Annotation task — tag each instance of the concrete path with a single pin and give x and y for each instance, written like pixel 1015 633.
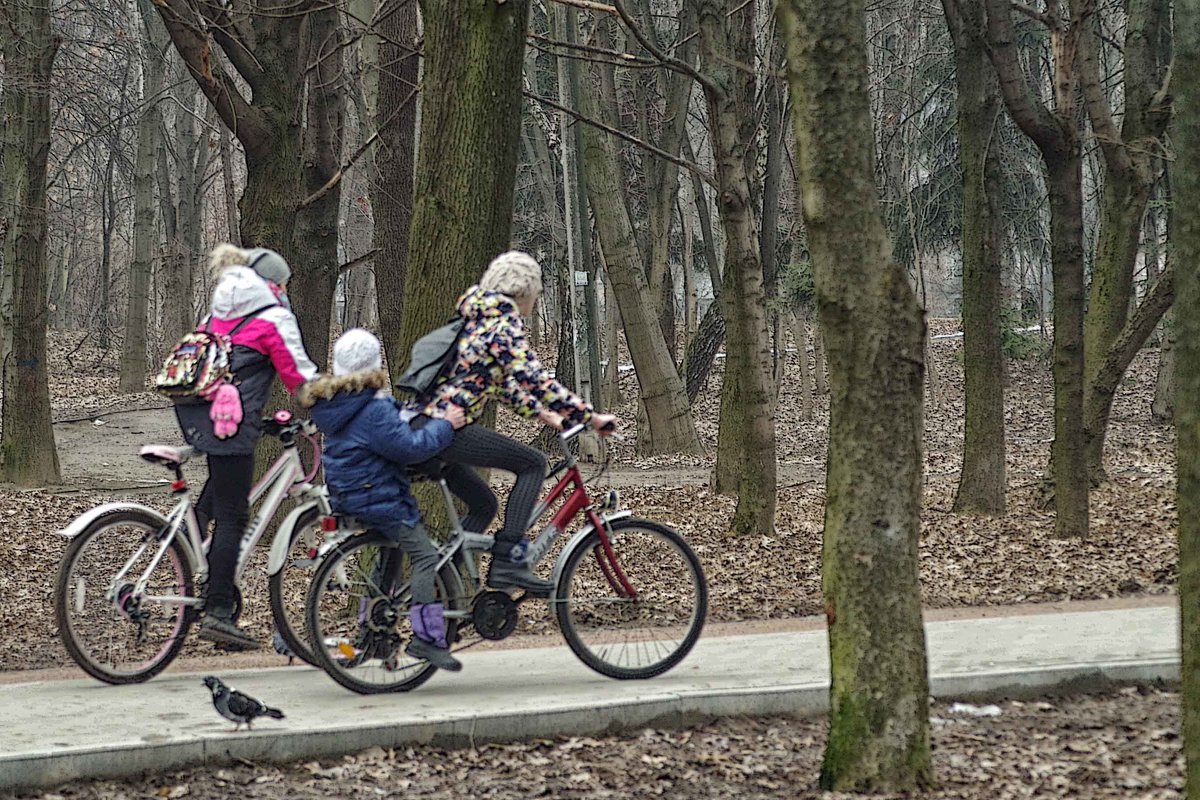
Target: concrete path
pixel 57 731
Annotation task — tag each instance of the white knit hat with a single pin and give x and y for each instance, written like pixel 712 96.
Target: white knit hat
pixel 356 350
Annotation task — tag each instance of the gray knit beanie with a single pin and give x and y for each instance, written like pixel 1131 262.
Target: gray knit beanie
pixel 269 265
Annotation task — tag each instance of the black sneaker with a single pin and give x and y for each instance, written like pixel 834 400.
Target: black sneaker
pixel 506 575
pixel 427 651
pixel 224 632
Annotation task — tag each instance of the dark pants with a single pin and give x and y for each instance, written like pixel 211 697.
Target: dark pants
pixel 476 446
pixel 225 499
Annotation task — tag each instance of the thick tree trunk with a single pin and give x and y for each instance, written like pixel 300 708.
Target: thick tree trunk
pixel 1185 238
pixel 982 482
pixel 466 164
pixel 395 116
pixel 315 246
pixel 133 352
pixel 662 391
pixel 1067 455
pixel 875 332
pixel 27 440
pixel 702 352
pixel 746 442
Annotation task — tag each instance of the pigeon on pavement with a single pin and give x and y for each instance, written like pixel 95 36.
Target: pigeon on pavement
pixel 281 647
pixel 237 707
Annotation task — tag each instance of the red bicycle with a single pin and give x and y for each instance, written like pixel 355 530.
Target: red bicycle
pixel 630 596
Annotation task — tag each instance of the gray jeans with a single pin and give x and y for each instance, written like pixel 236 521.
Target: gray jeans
pixel 422 555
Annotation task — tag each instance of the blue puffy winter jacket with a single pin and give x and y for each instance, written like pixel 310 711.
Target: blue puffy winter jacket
pixel 367 445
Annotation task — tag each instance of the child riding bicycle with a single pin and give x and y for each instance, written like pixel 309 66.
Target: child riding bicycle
pixel 368 442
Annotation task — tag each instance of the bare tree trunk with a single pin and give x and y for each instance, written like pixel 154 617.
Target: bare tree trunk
pixel 612 371
pixel 1056 135
pixel 27 440
pixel 1162 409
pixel 133 352
pixel 230 196
pixel 466 168
pixel 315 246
pixel 1185 239
pixel 746 445
pixel 800 332
pixel 981 485
pixel 1129 178
pixel 395 116
pixel 670 422
pixel 879 695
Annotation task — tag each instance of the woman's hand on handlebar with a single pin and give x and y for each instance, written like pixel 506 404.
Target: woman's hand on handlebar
pixel 552 418
pixel 455 416
pixel 604 424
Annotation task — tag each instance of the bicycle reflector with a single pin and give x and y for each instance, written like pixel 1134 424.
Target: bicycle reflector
pixel 329 524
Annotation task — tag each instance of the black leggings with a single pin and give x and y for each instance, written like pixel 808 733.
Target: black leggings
pixel 476 446
pixel 225 499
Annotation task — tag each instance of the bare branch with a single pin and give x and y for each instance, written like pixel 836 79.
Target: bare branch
pixel 337 176
pixel 1030 114
pixel 589 5
pixel 688 165
pixel 676 64
pixel 1032 13
pixel 354 262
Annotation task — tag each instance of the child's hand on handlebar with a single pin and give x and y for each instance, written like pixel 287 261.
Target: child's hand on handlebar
pixel 455 416
pixel 604 424
pixel 552 418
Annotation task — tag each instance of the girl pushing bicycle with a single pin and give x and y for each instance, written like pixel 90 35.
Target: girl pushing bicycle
pixel 368 442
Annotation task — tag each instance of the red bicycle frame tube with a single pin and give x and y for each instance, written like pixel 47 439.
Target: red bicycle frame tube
pixel 577 502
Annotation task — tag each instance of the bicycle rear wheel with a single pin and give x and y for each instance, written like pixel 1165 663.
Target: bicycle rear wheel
pixel 114 633
pixel 357 630
pixel 638 634
pixel 289 586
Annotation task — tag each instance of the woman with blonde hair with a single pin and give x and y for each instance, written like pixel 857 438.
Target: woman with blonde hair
pixel 495 360
pixel 249 305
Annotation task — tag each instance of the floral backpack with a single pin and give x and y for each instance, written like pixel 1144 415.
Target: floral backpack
pixel 198 367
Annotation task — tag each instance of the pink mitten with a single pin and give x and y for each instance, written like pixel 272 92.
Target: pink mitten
pixel 226 411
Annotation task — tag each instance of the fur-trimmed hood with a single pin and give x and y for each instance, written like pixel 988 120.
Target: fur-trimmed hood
pixel 325 386
pixel 334 401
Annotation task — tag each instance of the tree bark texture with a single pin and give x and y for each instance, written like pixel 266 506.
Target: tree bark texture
pixel 671 429
pixel 1162 408
pixel 1185 238
pixel 746 443
pixel 27 441
pixel 982 481
pixel 467 158
pixel 395 115
pixel 875 334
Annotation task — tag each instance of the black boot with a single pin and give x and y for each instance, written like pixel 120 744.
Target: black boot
pixel 506 574
pixel 437 656
pixel 218 626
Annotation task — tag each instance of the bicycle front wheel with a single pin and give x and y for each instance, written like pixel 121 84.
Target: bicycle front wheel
pixel 636 608
pixel 358 628
pixel 114 631
pixel 289 586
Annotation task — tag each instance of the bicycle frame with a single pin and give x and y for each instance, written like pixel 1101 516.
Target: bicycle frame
pixel 286 477
pixel 577 502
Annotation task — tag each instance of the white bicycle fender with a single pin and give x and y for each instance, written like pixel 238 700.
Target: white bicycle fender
pixel 80 523
pixel 279 547
pixel 577 541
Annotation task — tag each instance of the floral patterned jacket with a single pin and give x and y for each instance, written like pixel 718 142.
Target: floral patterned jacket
pixel 495 360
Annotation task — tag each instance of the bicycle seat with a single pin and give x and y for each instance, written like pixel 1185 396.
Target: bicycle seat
pixel 166 455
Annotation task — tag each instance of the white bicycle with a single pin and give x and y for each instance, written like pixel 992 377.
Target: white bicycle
pixel 126 592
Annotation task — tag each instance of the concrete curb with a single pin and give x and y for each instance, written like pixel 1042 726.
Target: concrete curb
pixel 670 709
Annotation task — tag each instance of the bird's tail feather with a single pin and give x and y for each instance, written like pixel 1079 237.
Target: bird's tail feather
pixel 273 713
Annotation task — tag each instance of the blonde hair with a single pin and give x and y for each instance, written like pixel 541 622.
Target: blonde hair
pixel 515 274
pixel 225 256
